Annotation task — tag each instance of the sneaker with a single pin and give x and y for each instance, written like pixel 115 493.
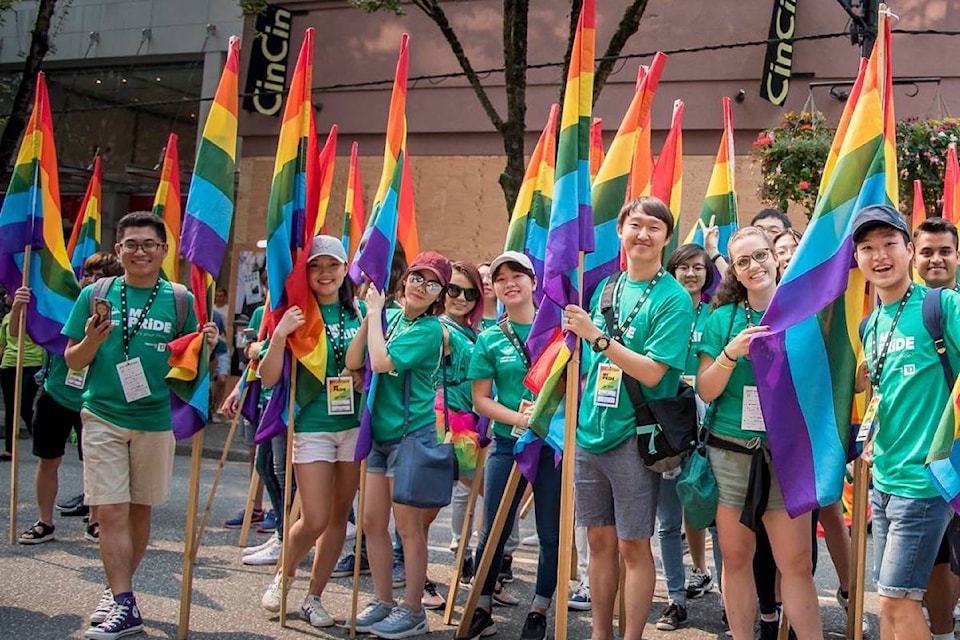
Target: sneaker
pixel 269 523
pixel 580 600
pixel 70 503
pixel 844 601
pixel 503 598
pixel 92 532
pixel 124 620
pixel 263 545
pixel 467 570
pixel 104 607
pixel 75 512
pixel 344 568
pixel 237 521
pixel 399 576
pixel 270 600
pixel 268 555
pixel 698 583
pixel 313 612
pixel 374 612
pixel 431 597
pixel 351 531
pixel 481 625
pixel 38 533
pixel 454 543
pixel 673 616
pixel 401 623
pixel 769 629
pixel 506 570
pixel 531 541
pixel 535 627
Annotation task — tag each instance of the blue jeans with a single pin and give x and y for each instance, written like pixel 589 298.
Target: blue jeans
pixel 546 492
pixel 906 537
pixel 271 464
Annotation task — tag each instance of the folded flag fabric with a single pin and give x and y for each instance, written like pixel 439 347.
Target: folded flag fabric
pixel 85 237
pixel 951 186
pixel 596 146
pixel 354 218
pixel 667 180
pixel 943 462
pixel 166 205
pixel 327 163
pixel 919 206
pixel 189 382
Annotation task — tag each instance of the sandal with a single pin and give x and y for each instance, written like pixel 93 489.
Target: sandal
pixel 39 532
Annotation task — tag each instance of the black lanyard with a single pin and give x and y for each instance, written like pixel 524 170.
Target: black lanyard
pixel 748 311
pixel 339 347
pixel 881 355
pixel 693 329
pixel 617 329
pixel 514 339
pixel 127 331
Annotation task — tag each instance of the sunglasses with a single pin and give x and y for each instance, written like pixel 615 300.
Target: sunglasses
pixel 759 256
pixel 432 287
pixel 470 294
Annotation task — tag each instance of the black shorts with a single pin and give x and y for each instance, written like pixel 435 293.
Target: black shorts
pixel 52 423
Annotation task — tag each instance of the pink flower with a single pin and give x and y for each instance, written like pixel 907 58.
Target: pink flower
pixel 804 185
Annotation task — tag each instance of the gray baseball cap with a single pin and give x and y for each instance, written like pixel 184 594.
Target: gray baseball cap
pixel 327 246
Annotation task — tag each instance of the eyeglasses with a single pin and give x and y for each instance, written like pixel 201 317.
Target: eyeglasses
pixel 470 294
pixel 759 256
pixel 698 269
pixel 432 287
pixel 148 246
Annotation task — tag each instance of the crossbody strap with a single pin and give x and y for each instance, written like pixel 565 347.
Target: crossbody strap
pixel 406 402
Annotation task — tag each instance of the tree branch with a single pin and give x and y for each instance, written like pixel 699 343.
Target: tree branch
pixel 628 26
pixel 515 20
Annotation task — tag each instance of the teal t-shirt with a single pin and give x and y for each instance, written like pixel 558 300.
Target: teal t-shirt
pixel 256 320
pixel 727 409
pixel 415 348
pixel 104 395
pixel 700 316
pixel 486 323
pixel 496 358
pixel 459 386
pixel 660 330
pixel 913 391
pixel 55 384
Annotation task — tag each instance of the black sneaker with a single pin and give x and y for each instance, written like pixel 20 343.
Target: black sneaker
pixel 70 503
pixel 75 512
pixel 769 629
pixel 535 627
pixel 467 571
pixel 506 570
pixel 673 616
pixel 481 626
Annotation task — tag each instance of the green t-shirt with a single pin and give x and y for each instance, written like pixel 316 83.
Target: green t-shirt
pixel 913 391
pixel 104 394
pixel 486 323
pixel 700 316
pixel 55 384
pixel 313 416
pixel 459 386
pixel 32 353
pixel 256 320
pixel 414 347
pixel 727 409
pixel 659 331
pixel 496 358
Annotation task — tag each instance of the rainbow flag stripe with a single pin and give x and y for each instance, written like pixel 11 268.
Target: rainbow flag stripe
pixel 720 203
pixel 951 186
pixel 805 366
pixel 327 162
pixel 354 218
pixel 189 382
pixel 166 205
pixel 597 152
pixel 31 216
pixel 919 207
pixel 667 180
pixel 85 237
pixel 943 462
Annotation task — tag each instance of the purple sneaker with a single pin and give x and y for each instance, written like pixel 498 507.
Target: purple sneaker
pixel 124 620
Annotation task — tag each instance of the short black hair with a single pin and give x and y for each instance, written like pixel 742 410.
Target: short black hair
pixel 649 206
pixel 685 252
pixel 142 219
pixel 937 225
pixel 772 213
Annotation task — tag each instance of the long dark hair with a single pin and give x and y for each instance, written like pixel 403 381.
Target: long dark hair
pixel 731 290
pixel 347 296
pixel 685 252
pixel 472 274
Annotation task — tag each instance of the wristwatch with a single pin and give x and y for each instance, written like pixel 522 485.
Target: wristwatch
pixel 601 343
pixel 716 257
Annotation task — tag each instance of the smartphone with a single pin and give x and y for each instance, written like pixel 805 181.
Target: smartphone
pixel 102 309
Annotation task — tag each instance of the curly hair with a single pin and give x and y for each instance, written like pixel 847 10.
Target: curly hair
pixel 731 290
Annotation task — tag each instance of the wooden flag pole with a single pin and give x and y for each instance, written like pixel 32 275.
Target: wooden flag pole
pixel 248 507
pixel 189 541
pixel 493 541
pixel 217 476
pixel 466 532
pixel 287 494
pixel 357 549
pixel 621 600
pixel 858 549
pixel 17 402
pixel 526 507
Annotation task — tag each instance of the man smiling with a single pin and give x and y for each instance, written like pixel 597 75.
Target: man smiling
pixel 935 241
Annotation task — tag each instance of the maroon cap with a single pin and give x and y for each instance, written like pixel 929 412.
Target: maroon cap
pixel 433 262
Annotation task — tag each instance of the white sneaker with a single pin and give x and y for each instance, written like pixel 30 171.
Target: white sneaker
pixel 248 550
pixel 351 532
pixel 270 554
pixel 270 600
pixel 313 612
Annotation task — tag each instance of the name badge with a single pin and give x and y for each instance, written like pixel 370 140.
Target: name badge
pixel 517 432
pixel 133 380
pixel 752 416
pixel 607 393
pixel 869 419
pixel 340 396
pixel 690 380
pixel 76 379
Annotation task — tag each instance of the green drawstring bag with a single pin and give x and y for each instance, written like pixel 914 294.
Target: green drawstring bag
pixel 697 490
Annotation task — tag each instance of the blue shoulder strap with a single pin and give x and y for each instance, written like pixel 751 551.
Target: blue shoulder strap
pixel 933 322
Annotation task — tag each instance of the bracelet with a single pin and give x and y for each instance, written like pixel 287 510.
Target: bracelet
pixel 723 366
pixel 727 356
pixel 716 257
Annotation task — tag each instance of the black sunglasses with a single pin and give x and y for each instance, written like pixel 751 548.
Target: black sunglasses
pixel 470 294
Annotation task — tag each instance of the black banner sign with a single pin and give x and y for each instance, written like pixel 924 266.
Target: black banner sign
pixel 778 63
pixel 267 71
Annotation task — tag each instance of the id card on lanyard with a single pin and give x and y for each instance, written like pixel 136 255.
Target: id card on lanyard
pixel 133 379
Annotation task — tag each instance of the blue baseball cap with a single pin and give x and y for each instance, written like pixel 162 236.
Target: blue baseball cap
pixel 877 215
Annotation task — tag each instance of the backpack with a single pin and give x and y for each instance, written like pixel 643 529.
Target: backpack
pixel 181 300
pixel 932 316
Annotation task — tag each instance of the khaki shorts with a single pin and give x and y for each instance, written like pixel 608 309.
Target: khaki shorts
pixel 125 465
pixel 732 471
pixel 323 446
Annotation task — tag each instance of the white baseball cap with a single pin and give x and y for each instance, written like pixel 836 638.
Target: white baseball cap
pixel 327 246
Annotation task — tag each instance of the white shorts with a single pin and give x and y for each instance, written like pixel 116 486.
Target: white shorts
pixel 321 446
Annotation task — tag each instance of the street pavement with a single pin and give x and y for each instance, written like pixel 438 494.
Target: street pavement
pixel 47 591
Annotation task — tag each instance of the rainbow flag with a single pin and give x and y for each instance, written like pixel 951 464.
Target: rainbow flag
pixel 667 180
pixel 571 234
pixel 617 176
pixel 597 152
pixel 31 216
pixel 951 186
pixel 720 203
pixel 527 232
pixel 206 231
pixel 407 222
pixel 327 162
pixel 919 207
pixel 641 170
pixel 805 366
pixel 354 218
pixel 166 205
pixel 85 237
pixel 943 462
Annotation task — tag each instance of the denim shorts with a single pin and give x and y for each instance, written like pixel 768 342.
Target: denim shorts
pixel 383 456
pixel 906 536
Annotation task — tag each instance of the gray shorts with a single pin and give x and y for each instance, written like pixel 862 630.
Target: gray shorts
pixel 383 457
pixel 616 489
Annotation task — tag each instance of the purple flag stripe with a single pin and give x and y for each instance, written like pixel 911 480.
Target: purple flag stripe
pixel 201 245
pixel 273 422
pixel 186 420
